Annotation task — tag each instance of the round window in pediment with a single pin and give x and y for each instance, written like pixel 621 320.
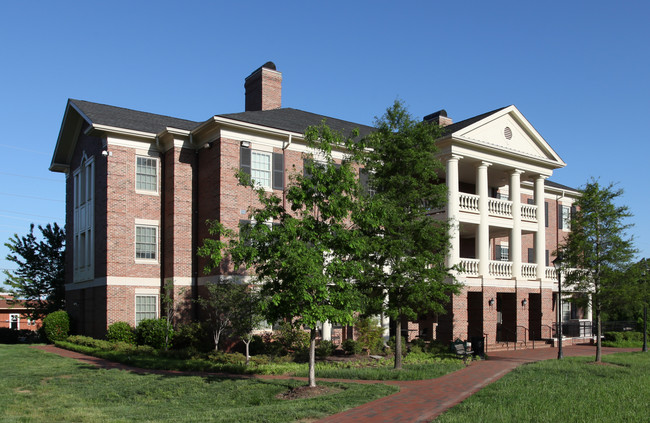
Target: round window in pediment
pixel 507 133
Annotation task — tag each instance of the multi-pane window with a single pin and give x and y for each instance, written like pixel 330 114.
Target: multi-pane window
pixel 261 168
pixel 83 220
pixel 566 217
pixel 146 174
pixel 504 253
pixel 146 307
pixel 146 242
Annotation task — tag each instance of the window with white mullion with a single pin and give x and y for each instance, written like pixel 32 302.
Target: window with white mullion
pixel 83 220
pixel 146 242
pixel 261 168
pixel 146 307
pixel 146 174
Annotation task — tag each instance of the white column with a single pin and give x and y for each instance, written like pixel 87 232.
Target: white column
pixel 515 234
pixel 453 201
pixel 483 239
pixel 327 330
pixel 540 237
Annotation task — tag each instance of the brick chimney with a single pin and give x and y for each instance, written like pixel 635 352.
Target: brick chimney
pixel 264 88
pixel 439 118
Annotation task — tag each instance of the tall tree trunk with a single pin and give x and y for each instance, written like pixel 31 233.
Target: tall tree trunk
pixel 398 344
pixel 312 358
pixel 248 344
pixel 599 330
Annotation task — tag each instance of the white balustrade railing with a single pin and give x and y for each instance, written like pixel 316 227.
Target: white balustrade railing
pixel 529 212
pixel 550 273
pixel 529 270
pixel 500 269
pixel 468 202
pixel 468 266
pixel 500 207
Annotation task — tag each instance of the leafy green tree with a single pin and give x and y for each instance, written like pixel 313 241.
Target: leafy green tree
pixel 249 317
pixel 404 247
pixel 39 279
pixel 301 261
pixel 223 306
pixel 598 248
pixel 630 297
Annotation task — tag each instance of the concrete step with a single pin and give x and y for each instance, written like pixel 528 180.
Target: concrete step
pixel 520 346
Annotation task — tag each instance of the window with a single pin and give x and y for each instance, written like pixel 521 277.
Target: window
pixel 83 188
pixel 14 321
pixel 146 307
pixel 146 242
pixel 501 253
pixel 564 217
pixel 261 168
pixel 146 174
pixel 504 253
pixel 265 168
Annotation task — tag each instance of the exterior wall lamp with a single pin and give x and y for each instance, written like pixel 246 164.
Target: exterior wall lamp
pixel 491 302
pixel 524 302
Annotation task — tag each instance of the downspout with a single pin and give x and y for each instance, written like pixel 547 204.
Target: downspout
pixel 162 224
pixel 284 173
pixel 195 231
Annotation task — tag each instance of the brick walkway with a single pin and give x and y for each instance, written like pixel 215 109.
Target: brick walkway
pixel 417 401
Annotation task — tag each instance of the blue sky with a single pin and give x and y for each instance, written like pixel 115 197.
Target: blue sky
pixel 579 71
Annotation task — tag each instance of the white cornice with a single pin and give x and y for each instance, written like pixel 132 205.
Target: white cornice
pixel 121 131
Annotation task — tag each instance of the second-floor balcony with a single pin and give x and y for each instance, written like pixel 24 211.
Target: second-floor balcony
pixel 469 203
pixel 504 270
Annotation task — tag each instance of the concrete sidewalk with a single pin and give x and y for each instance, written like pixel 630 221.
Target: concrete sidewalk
pixel 417 401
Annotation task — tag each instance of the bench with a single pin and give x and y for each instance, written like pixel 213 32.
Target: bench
pixel 460 350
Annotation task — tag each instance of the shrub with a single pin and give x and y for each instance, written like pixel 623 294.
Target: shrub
pixel 152 332
pixel 13 336
pixel 371 335
pixel 292 338
pixel 350 346
pixel 193 336
pixel 227 358
pixel 56 326
pixel 623 336
pixel 324 348
pixel 121 332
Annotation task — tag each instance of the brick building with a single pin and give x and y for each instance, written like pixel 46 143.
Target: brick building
pixel 14 312
pixel 141 186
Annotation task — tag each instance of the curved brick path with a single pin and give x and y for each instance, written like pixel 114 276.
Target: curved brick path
pixel 418 400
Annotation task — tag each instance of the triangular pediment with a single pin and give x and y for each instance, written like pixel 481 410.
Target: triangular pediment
pixel 507 129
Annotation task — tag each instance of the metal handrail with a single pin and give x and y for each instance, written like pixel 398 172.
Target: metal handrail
pixel 550 331
pixel 525 337
pixel 508 339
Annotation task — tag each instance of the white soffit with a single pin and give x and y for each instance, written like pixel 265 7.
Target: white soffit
pixel 508 129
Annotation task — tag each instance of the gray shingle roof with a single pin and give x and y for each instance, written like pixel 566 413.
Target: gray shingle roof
pixel 559 186
pixel 295 120
pixel 467 122
pixel 119 117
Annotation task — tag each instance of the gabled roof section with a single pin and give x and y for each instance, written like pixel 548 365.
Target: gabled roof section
pixel 105 117
pixel 294 120
pixel 118 117
pixel 505 130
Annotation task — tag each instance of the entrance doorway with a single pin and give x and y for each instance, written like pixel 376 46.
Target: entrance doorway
pixel 535 316
pixel 506 317
pixel 474 314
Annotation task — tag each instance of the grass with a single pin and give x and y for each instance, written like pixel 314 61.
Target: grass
pixel 571 390
pixel 416 366
pixel 38 386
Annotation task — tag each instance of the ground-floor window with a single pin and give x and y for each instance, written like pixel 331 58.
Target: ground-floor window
pixel 146 307
pixel 14 321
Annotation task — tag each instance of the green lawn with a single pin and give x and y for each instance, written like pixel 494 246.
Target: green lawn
pixel 571 390
pixel 38 387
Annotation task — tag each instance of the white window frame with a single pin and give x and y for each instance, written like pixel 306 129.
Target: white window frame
pixel 84 220
pixel 135 304
pixel 505 252
pixel 135 243
pixel 17 317
pixel 566 218
pixel 157 169
pixel 267 186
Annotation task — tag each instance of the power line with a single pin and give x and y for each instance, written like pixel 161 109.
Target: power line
pixel 25 149
pixel 32 197
pixel 30 177
pixel 27 214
